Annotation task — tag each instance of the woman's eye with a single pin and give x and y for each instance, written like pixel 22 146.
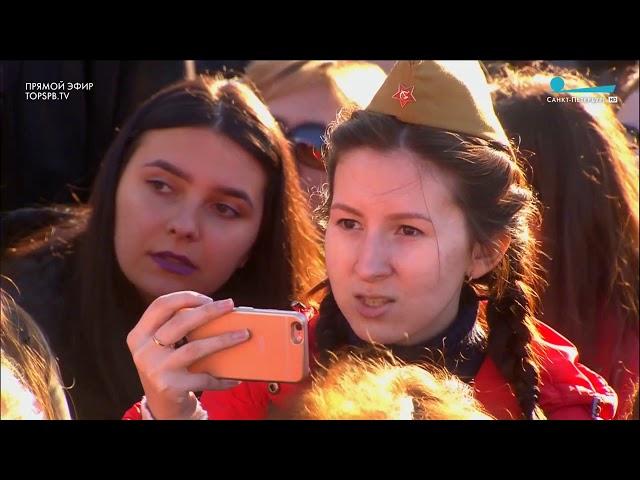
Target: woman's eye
pixel 159 186
pixel 226 211
pixel 347 224
pixel 409 231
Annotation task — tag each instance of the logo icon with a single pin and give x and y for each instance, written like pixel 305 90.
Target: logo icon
pixel 557 85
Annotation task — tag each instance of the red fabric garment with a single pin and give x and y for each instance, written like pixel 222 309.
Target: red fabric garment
pixel 569 390
pixel 618 365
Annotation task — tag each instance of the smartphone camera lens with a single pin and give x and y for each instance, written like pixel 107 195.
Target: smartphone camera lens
pixel 297 334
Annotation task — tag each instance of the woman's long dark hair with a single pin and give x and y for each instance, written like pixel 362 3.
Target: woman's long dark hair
pixel 492 192
pixel 586 176
pixel 103 305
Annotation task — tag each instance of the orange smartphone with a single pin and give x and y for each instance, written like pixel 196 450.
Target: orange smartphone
pixel 277 351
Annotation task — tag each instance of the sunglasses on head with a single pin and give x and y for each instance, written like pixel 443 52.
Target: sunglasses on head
pixel 307 140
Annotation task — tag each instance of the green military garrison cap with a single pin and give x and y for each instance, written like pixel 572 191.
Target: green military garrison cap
pixel 450 95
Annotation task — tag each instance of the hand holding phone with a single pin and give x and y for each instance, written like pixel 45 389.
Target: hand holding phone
pixel 277 350
pixel 162 359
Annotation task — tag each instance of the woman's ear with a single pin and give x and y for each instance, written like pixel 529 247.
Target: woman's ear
pixel 485 257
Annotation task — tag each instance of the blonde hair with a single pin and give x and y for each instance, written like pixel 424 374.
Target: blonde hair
pixel 352 82
pixel 17 402
pixel 355 388
pixel 28 366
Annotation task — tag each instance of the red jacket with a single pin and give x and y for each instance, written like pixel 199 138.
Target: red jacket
pixel 620 366
pixel 569 390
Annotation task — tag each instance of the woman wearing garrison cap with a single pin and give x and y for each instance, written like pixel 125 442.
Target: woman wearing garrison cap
pixel 429 253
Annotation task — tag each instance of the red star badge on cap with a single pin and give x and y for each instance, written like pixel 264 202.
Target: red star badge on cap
pixel 404 95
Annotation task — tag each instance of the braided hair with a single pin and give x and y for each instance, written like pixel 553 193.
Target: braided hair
pixel 492 191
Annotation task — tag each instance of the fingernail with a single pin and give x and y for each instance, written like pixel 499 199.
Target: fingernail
pixel 240 335
pixel 205 299
pixel 230 383
pixel 228 303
